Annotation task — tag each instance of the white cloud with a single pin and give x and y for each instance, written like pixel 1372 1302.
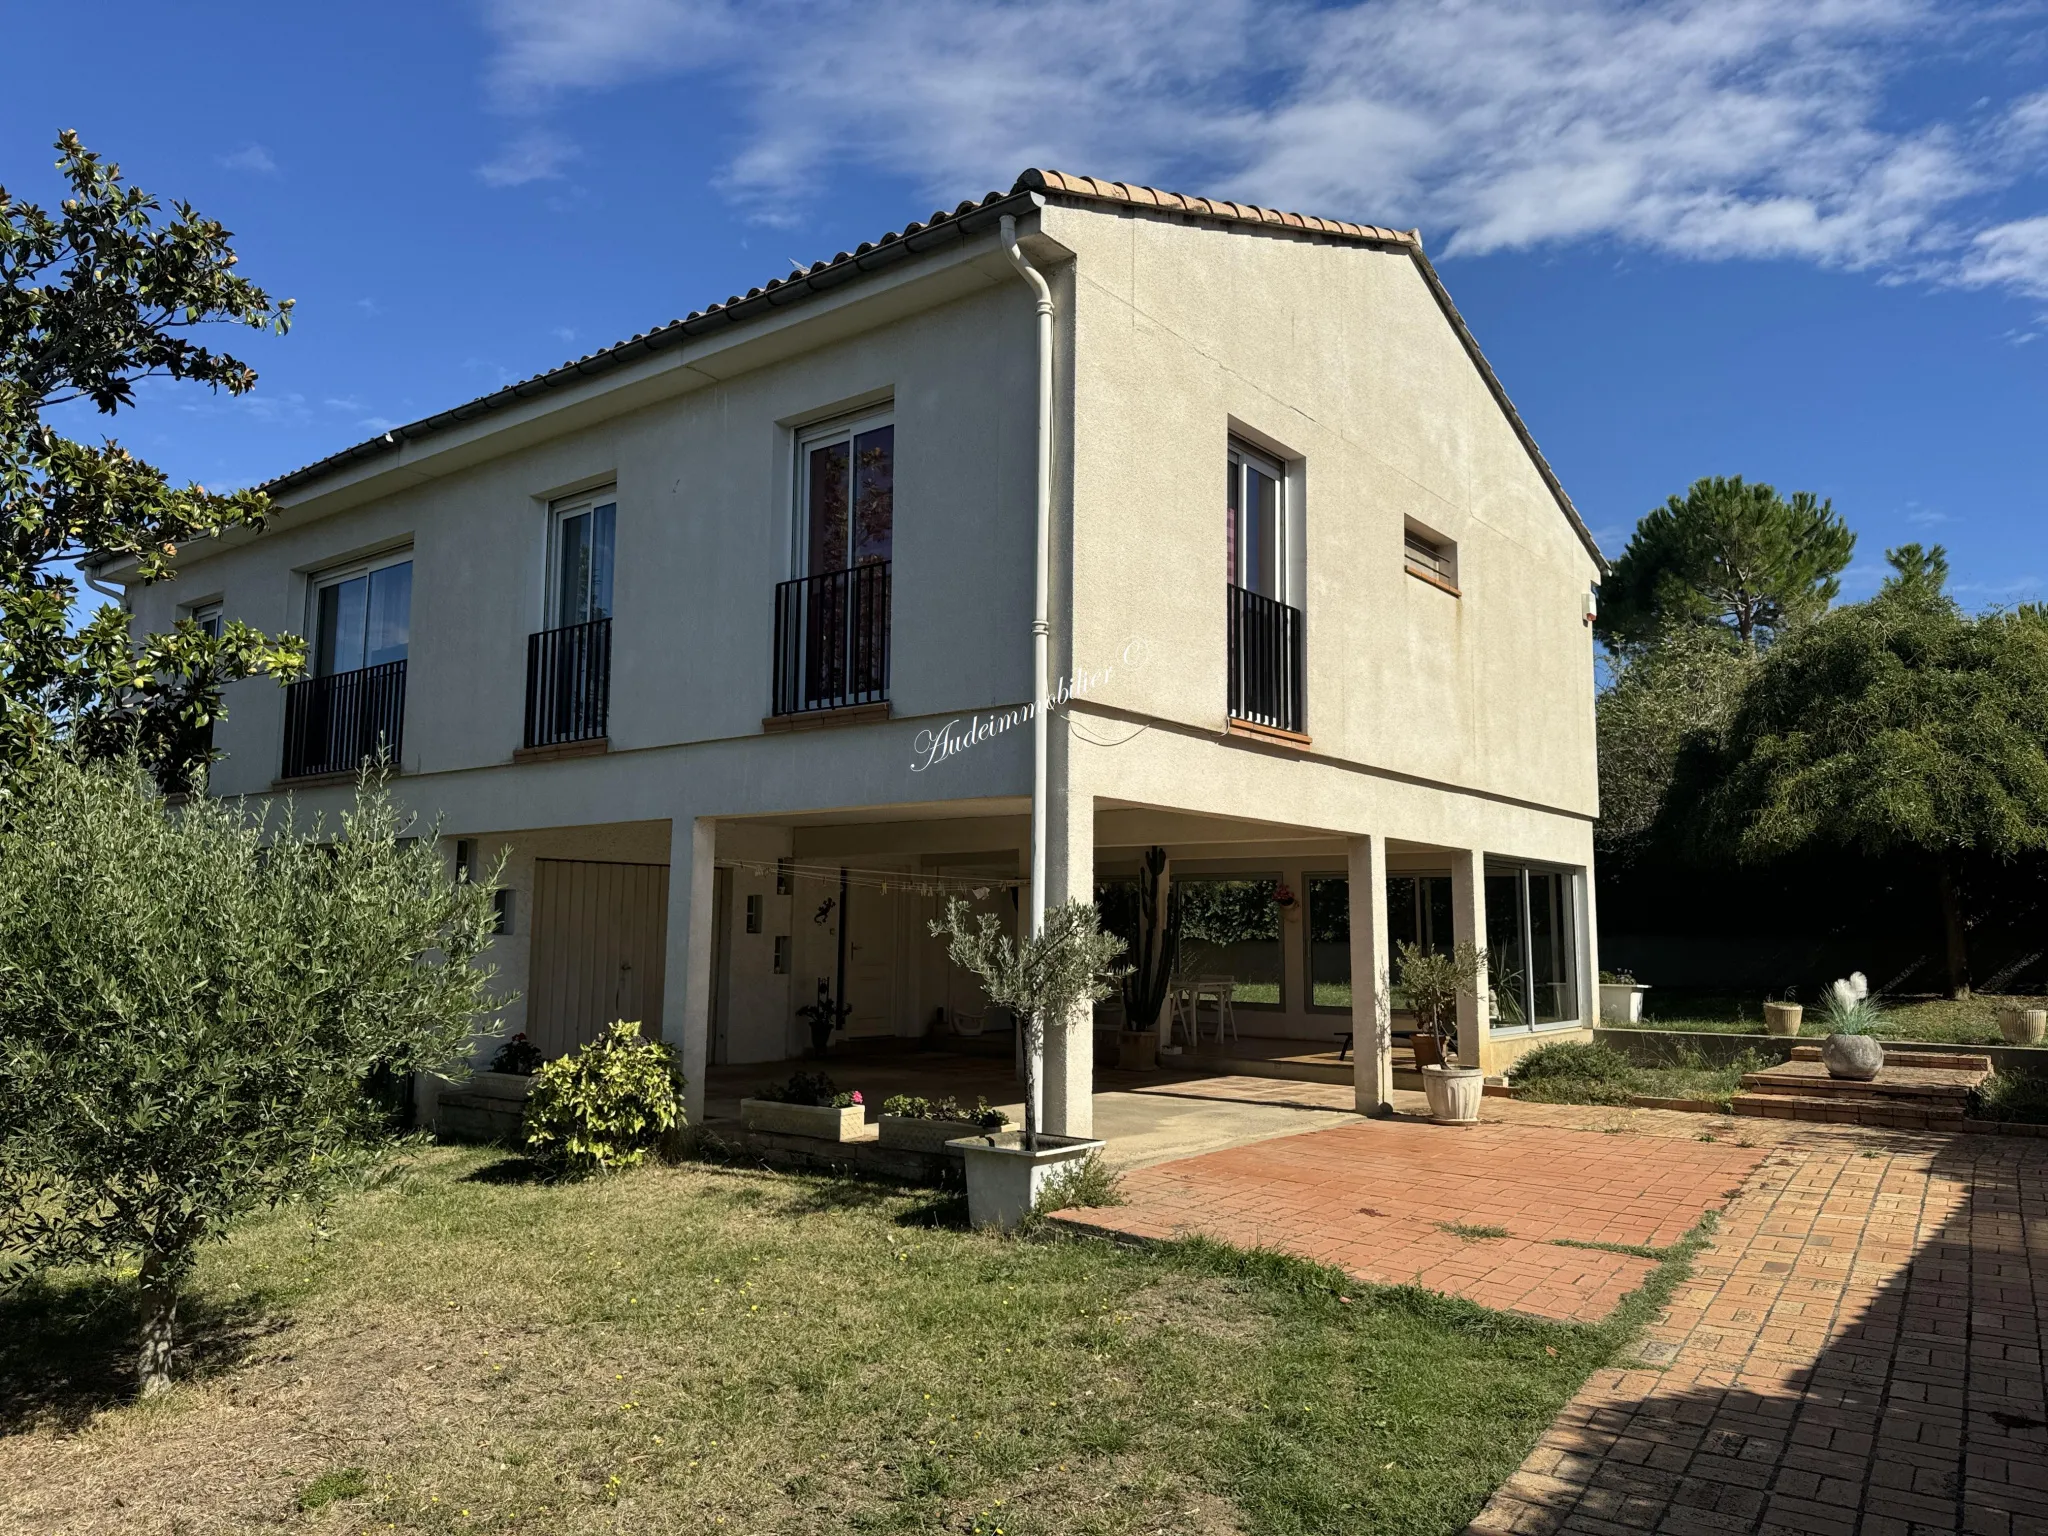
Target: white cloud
pixel 1699 128
pixel 2013 255
pixel 536 155
pixel 255 159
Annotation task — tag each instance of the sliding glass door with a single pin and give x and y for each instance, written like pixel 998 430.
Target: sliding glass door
pixel 1532 945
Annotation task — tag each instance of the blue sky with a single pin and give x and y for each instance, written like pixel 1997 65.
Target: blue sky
pixel 1805 243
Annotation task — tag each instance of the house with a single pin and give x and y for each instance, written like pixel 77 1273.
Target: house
pixel 725 634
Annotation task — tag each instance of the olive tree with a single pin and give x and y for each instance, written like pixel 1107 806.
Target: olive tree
pixel 195 1006
pixel 1062 968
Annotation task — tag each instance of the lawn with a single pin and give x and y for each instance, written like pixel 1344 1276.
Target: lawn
pixel 702 1348
pixel 1964 1021
pixel 1598 1074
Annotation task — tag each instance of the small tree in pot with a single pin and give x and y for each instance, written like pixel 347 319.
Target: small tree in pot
pixel 1433 982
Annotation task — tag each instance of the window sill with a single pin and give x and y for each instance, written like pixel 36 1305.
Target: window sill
pixel 595 746
pixel 323 780
pixel 1431 579
pixel 1271 734
pixel 819 719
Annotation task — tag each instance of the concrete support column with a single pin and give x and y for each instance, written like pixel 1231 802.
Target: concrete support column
pixel 686 1004
pixel 1468 926
pixel 1069 876
pixel 1589 950
pixel 1372 1008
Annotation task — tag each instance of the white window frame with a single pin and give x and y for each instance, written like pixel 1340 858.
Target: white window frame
pixel 558 513
pixel 814 436
pixel 334 576
pixel 201 613
pixel 1242 454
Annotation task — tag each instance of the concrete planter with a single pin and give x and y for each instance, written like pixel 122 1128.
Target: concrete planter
pixel 1856 1058
pixel 821 1121
pixel 1454 1093
pixel 2022 1026
pixel 1004 1180
pixel 1782 1018
pixel 1621 1002
pixel 914 1135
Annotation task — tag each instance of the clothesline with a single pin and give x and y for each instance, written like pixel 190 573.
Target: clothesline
pixel 918 882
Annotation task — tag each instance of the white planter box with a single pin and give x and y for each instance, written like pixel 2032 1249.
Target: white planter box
pixel 1621 1002
pixel 820 1121
pixel 1003 1180
pixel 1454 1093
pixel 914 1135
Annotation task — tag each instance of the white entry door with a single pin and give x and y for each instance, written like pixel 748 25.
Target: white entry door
pixel 873 962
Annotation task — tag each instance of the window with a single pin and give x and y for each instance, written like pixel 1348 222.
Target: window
pixel 847 495
pixel 753 914
pixel 1231 927
pixel 580 590
pixel 1418 912
pixel 465 858
pixel 782 954
pixel 501 905
pixel 1532 951
pixel 362 615
pixel 1432 558
pixel 207 617
pixel 1255 532
pixel 782 877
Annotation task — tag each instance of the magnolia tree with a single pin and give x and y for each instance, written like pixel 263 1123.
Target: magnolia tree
pixel 196 1011
pixel 1063 967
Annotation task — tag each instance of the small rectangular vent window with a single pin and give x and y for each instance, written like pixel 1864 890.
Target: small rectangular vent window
pixel 753 914
pixel 782 954
pixel 1433 559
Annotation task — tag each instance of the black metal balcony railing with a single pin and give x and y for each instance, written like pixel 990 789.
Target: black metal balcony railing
pixel 569 683
pixel 832 639
pixel 332 723
pixel 1266 661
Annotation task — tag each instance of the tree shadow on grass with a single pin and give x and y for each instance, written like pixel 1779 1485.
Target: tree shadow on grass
pixel 938 1208
pixel 510 1170
pixel 68 1347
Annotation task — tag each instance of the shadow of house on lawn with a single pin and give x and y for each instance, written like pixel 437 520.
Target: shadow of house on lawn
pixel 68 1347
pixel 1870 1365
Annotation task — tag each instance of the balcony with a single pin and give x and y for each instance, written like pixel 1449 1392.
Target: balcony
pixel 569 684
pixel 332 723
pixel 832 640
pixel 1267 671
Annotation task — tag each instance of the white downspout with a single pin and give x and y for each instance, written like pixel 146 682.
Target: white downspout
pixel 1041 629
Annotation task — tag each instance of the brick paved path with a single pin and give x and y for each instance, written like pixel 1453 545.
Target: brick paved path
pixel 1371 1198
pixel 1860 1352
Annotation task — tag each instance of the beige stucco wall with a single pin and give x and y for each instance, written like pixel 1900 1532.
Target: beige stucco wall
pixel 1339 358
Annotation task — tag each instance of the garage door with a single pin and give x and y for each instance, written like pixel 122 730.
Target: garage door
pixel 600 941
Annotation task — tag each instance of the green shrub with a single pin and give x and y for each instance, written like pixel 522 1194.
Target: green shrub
pixel 606 1105
pixel 911 1107
pixel 815 1089
pixel 1573 1073
pixel 1082 1185
pixel 2021 1096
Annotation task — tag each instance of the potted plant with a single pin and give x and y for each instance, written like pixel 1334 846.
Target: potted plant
pixel 1621 998
pixel 1781 1017
pixel 2022 1026
pixel 1145 981
pixel 824 1016
pixel 809 1104
pixel 1061 969
pixel 1432 983
pixel 926 1125
pixel 1850 1013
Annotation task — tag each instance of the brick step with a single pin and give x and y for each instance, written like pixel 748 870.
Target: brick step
pixel 1879 1091
pixel 1941 1061
pixel 1838 1111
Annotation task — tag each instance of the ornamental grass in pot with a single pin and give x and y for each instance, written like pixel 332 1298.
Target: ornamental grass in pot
pixel 1433 982
pixel 1850 1013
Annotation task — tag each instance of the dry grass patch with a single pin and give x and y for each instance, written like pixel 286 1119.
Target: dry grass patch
pixel 700 1348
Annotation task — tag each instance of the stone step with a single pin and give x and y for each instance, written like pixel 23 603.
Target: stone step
pixel 1954 1061
pixel 1878 1091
